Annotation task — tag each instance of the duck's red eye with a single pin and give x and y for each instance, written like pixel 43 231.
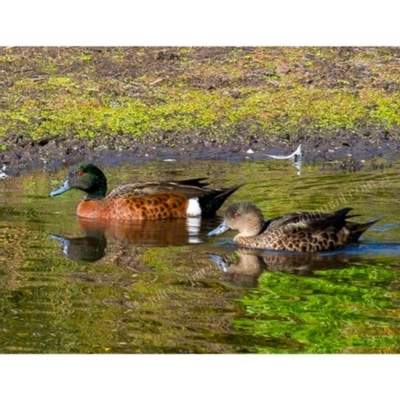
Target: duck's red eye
pixel 236 214
pixel 80 173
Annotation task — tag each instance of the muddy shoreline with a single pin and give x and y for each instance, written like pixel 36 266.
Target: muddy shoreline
pixel 53 153
pixel 62 105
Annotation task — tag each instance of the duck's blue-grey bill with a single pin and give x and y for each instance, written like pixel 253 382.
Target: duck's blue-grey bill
pixel 61 189
pixel 219 229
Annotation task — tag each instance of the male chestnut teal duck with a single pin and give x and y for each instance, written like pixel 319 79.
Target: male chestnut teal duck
pixel 301 231
pixel 152 200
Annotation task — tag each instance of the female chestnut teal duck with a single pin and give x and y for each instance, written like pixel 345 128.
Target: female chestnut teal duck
pixel 301 231
pixel 154 200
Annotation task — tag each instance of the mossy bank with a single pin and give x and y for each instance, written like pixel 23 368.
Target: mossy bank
pixel 64 104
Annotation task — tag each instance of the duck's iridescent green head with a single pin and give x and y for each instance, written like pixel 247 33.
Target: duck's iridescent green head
pixel 86 177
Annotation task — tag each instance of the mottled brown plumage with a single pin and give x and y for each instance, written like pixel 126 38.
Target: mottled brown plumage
pixel 130 208
pixel 302 231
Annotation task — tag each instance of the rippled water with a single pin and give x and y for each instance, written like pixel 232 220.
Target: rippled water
pixel 163 287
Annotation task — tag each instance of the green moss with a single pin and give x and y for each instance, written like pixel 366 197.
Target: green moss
pixel 74 97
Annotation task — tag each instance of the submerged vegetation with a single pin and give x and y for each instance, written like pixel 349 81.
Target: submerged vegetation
pixel 338 311
pixel 149 91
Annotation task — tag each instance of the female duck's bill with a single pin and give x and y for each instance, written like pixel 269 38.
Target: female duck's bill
pixel 223 227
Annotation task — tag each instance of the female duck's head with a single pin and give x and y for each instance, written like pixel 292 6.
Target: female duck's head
pixel 243 217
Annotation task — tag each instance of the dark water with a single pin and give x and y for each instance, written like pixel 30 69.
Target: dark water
pixel 163 287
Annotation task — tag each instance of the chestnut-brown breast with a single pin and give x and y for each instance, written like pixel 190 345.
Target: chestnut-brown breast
pixel 157 206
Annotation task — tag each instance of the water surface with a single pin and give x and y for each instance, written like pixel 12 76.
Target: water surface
pixel 163 287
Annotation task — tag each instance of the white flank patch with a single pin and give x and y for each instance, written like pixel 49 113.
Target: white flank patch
pixel 193 209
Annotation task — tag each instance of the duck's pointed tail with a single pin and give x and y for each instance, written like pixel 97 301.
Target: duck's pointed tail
pixel 356 229
pixel 212 201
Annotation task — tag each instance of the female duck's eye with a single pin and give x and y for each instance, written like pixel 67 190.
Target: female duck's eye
pixel 236 214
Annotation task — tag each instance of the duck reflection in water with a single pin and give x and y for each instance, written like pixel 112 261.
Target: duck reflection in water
pixel 165 232
pixel 244 266
pixel 86 248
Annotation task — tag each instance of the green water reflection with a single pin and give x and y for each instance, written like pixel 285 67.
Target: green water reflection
pixel 163 287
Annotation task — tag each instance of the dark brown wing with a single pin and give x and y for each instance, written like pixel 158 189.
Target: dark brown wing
pixel 309 221
pixel 188 187
pixel 210 199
